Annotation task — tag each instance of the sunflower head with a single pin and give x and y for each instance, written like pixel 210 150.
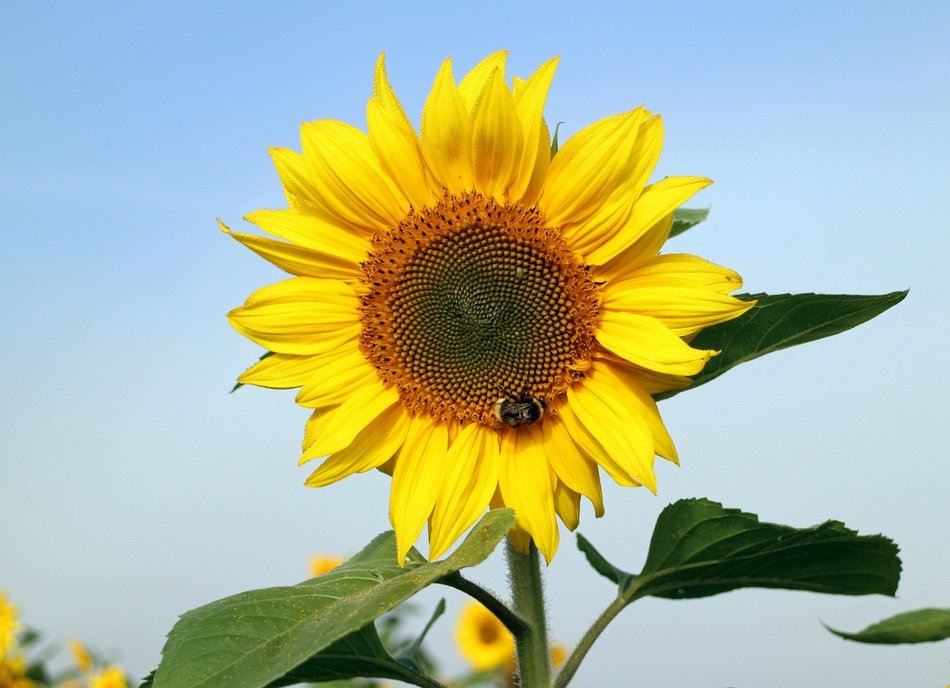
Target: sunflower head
pixel 322 563
pixel 483 640
pixel 483 322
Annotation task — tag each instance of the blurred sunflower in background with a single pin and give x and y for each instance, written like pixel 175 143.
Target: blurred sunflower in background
pixel 483 640
pixel 481 320
pixel 322 563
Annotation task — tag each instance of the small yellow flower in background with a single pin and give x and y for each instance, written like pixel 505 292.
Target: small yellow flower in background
pixel 110 677
pixel 321 563
pixel 13 670
pixel 81 656
pixel 482 639
pixel 9 625
pixel 479 320
pixel 558 654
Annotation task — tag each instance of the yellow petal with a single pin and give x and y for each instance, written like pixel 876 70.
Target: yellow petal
pixel 347 177
pixel 335 429
pixel 641 252
pixel 304 227
pixel 471 480
pixel 590 166
pixel 281 371
pixel 520 539
pixel 293 174
pixel 417 479
pixel 648 343
pixel 342 372
pixel 395 141
pixel 542 162
pixel 302 315
pixel 685 267
pixel 602 407
pixel 527 486
pixel 296 259
pixel 650 380
pixel 684 307
pixel 610 229
pixel 592 448
pixel 530 97
pixel 567 505
pixel 572 468
pixel 371 448
pixel 446 136
pixel 653 205
pixel 639 403
pixel 497 141
pixel 473 83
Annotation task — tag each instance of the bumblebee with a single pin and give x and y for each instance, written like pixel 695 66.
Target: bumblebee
pixel 521 410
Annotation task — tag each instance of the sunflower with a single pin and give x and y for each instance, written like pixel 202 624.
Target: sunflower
pixel 9 625
pixel 482 321
pixel 323 563
pixel 483 640
pixel 110 677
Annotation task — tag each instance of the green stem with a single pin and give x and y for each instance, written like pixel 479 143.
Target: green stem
pixel 524 575
pixel 577 656
pixel 512 621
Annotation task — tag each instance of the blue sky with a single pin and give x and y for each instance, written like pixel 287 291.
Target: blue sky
pixel 134 487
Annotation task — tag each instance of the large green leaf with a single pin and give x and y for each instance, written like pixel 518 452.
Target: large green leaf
pixel 700 548
pixel 256 638
pixel 687 218
pixel 780 321
pixel 920 626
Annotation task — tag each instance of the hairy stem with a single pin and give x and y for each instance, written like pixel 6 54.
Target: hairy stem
pixel 512 621
pixel 524 573
pixel 583 647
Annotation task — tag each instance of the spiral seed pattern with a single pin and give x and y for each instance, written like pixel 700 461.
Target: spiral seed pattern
pixel 471 300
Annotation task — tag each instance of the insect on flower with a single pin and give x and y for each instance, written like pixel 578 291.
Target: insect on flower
pixel 514 410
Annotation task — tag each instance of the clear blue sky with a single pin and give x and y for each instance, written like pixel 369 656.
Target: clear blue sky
pixel 133 487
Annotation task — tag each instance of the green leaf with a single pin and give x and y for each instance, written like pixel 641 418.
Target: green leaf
pixel 700 549
pixel 554 146
pixel 920 626
pixel 255 638
pixel 780 321
pixel 600 564
pixel 687 218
